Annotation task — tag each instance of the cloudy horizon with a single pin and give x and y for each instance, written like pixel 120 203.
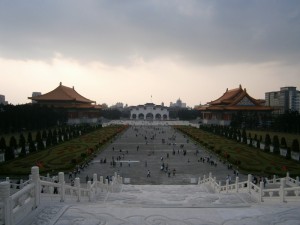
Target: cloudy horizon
pixel 126 51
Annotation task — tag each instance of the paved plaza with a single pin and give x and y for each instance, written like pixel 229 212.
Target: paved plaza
pixel 145 149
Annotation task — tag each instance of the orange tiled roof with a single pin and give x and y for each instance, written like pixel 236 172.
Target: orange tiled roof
pixel 62 93
pixel 233 100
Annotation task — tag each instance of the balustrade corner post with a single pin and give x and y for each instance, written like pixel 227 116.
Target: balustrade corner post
pixel 61 180
pixel 237 184
pixel 287 175
pixel 249 183
pixel 281 192
pixel 35 174
pixel 77 185
pixel 7 214
pixel 274 179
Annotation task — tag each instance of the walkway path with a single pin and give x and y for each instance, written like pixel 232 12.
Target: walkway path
pixel 143 148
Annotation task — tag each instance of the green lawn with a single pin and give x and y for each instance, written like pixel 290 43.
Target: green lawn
pixel 248 159
pixel 60 157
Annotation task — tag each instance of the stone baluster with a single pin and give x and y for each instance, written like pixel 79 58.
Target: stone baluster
pixel 77 185
pixel 249 183
pixel 261 188
pixel 35 173
pixel 89 187
pixel 237 184
pixel 281 192
pixel 61 180
pixel 95 181
pixel 199 180
pixel 227 185
pixel 21 185
pixel 7 215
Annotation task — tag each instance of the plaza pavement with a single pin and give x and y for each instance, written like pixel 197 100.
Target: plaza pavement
pixel 141 149
pixel 140 203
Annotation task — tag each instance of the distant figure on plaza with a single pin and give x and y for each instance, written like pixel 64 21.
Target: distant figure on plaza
pixel 148 173
pixel 174 172
pixel 129 163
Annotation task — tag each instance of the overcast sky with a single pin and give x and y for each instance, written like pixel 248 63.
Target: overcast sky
pixel 127 50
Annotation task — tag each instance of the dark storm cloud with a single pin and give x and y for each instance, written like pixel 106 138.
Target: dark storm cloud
pixel 209 31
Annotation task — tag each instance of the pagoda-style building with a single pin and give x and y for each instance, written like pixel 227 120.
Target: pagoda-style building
pixel 79 109
pixel 222 110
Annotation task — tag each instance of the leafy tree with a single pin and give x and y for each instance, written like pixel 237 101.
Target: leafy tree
pixel 244 136
pixel 2 144
pixel 22 145
pixel 13 143
pixel 295 146
pixel 9 153
pixel 283 142
pixel 276 146
pixel 267 142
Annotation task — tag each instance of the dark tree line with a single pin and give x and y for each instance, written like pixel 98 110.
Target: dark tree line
pixel 42 139
pixel 29 117
pixel 288 122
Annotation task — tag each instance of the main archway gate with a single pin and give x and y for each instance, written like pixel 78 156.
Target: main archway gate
pixel 149 111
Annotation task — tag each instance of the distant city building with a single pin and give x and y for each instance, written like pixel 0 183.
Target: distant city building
pixel 35 94
pixel 118 105
pixel 2 100
pixel 149 111
pixel 287 99
pixel 178 104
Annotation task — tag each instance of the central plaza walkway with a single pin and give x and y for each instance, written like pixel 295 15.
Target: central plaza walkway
pixel 143 148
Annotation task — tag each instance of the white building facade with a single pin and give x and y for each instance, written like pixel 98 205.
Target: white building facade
pixel 149 111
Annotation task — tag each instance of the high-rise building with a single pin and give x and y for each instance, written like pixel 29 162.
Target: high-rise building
pixel 2 100
pixel 178 104
pixel 287 99
pixel 35 94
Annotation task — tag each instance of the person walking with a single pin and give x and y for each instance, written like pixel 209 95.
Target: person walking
pixel 148 173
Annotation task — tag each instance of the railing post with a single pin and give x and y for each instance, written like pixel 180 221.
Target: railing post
pixel 199 180
pixel 274 179
pixel 89 187
pixel 219 186
pixel 77 185
pixel 237 184
pixel 281 192
pixel 227 184
pixel 249 183
pixel 21 184
pixel 35 173
pixel 7 204
pixel 287 175
pixel 61 180
pixel 95 181
pixel 261 187
pixel 297 181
